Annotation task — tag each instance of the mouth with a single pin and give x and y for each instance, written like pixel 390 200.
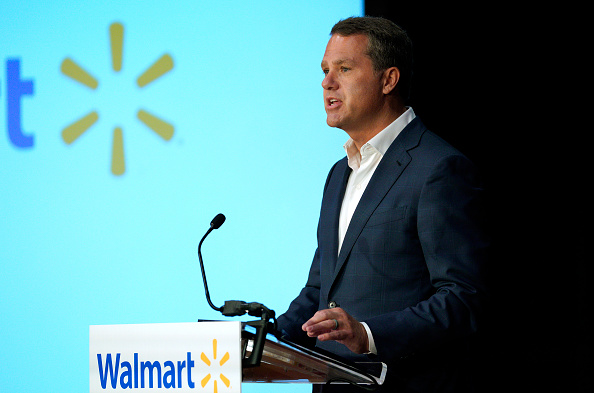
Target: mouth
pixel 332 102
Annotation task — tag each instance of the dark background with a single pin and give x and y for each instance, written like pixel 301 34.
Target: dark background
pixel 502 84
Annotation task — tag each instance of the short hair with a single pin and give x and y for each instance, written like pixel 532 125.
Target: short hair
pixel 388 45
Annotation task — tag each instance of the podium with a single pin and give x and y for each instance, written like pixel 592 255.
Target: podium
pixel 214 356
pixel 286 362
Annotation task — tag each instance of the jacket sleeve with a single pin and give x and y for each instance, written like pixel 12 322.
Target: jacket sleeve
pixel 451 231
pixel 302 308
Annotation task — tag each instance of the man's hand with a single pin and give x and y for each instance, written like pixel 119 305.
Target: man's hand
pixel 335 324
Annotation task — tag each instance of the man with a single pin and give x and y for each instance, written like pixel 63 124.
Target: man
pixel 397 273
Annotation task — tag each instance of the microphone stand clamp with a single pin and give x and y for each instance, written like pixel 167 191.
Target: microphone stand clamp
pixel 234 308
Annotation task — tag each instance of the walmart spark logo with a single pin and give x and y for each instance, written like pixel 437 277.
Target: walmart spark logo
pixel 74 71
pixel 209 363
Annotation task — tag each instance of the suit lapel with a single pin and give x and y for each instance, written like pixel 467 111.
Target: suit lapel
pixel 388 171
pixel 330 212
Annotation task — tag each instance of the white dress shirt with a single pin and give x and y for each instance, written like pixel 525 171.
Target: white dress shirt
pixel 364 163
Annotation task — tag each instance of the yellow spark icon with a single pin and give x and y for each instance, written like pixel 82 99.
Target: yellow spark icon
pixel 207 361
pixel 74 71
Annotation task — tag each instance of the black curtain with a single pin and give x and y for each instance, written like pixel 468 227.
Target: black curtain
pixel 502 84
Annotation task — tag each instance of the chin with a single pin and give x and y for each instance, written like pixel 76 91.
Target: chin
pixel 332 122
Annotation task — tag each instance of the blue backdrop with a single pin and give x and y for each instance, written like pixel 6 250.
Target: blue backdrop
pixel 238 127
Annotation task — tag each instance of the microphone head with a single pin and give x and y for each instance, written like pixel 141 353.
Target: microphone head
pixel 217 221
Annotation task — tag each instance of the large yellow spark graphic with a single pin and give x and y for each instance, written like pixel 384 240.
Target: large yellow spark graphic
pixel 116 37
pixel 160 67
pixel 207 361
pixel 77 73
pixel 73 131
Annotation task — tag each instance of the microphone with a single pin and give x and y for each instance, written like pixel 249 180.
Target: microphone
pixel 231 308
pixel 234 308
pixel 214 224
pixel 217 221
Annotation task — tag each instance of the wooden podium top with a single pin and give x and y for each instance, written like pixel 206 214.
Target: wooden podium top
pixel 287 362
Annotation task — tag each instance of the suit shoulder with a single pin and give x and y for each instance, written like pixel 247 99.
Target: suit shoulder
pixel 435 148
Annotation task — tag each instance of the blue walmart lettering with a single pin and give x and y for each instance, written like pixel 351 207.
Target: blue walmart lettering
pixel 16 88
pixel 129 375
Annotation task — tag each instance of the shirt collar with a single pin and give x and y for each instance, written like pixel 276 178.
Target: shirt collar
pixel 382 141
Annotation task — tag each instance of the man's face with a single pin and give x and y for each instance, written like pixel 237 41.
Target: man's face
pixel 352 90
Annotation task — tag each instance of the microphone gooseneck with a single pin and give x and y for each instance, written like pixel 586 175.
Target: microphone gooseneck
pixel 214 224
pixel 233 308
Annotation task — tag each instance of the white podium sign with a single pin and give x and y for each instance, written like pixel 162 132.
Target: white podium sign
pixel 200 357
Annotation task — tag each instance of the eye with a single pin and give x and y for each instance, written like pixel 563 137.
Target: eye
pixel 325 71
pixel 344 69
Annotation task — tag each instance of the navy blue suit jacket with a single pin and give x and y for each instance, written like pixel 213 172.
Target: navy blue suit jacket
pixel 411 262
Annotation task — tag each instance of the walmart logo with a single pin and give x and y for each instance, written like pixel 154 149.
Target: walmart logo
pixel 209 363
pixel 74 71
pixel 138 373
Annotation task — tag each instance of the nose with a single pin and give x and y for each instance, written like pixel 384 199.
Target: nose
pixel 329 82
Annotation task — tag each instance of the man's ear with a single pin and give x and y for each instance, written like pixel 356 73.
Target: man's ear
pixel 391 78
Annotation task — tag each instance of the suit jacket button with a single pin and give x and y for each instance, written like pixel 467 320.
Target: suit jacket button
pixel 332 304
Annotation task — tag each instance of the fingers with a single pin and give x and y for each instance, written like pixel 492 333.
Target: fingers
pixel 324 322
pixel 326 330
pixel 336 324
